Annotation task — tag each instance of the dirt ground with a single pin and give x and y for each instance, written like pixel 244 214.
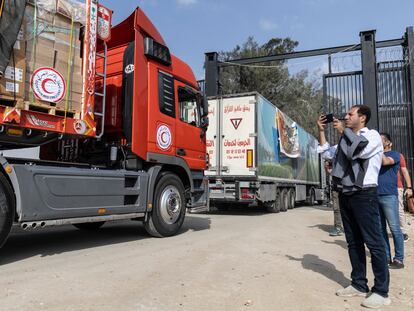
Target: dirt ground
pixel 235 260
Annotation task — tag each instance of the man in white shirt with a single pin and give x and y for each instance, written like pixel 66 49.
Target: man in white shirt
pixel 359 202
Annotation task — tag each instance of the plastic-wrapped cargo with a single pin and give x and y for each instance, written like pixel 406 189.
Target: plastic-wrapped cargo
pixel 40 56
pixel 53 54
pixel 69 8
pixel 12 65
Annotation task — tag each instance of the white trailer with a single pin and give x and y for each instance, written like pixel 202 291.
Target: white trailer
pixel 258 155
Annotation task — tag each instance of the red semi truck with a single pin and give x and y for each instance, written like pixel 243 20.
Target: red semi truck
pixel 136 151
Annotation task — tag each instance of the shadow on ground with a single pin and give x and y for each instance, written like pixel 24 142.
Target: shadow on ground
pixel 196 223
pixel 59 240
pixel 340 243
pixel 248 210
pixel 321 208
pixel 323 227
pixel 327 269
pixel 239 210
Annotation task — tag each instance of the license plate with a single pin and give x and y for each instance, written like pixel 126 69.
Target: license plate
pixel 217 190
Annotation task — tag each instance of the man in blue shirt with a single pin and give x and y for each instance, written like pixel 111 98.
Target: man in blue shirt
pixel 388 201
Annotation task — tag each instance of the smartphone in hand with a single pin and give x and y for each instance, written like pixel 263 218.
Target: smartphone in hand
pixel 329 118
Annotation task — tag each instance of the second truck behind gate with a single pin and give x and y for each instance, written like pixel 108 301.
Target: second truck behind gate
pixel 257 154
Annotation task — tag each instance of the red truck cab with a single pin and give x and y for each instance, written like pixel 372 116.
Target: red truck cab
pixel 137 152
pixel 155 94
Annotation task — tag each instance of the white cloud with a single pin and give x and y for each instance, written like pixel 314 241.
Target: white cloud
pixel 294 22
pixel 267 25
pixel 186 2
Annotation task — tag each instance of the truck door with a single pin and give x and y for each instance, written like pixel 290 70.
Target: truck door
pixel 212 137
pixel 190 143
pixel 237 126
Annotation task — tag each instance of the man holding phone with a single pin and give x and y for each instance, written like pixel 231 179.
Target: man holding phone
pixel 357 161
pixel 329 118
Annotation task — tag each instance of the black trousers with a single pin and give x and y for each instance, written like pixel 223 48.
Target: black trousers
pixel 362 226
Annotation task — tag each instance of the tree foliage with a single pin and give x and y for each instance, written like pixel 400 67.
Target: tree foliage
pixel 296 95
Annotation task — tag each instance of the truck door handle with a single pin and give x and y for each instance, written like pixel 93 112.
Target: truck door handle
pixel 181 152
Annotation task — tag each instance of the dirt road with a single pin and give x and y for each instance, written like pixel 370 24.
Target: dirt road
pixel 236 260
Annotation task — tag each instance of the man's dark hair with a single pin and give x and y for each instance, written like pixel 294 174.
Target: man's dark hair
pixel 387 136
pixel 363 110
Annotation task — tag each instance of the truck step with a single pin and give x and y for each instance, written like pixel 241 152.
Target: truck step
pixel 199 209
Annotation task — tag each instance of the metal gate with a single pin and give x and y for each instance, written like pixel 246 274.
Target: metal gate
pixel 343 90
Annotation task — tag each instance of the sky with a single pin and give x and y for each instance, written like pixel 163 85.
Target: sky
pixel 193 27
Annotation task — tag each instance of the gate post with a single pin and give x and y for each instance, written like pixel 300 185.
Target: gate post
pixel 369 75
pixel 409 57
pixel 212 74
pixel 409 61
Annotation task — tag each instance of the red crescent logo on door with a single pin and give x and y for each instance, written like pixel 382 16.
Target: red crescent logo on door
pixel 164 138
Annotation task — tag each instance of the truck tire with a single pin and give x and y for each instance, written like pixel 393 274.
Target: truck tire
pixel 292 198
pixel 284 200
pixel 7 209
pixel 311 201
pixel 168 211
pixel 274 206
pixel 89 226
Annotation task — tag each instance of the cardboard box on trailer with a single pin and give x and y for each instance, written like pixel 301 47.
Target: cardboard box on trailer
pixel 12 84
pixel 53 43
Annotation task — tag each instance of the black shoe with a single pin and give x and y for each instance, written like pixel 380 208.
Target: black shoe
pixel 396 264
pixel 406 237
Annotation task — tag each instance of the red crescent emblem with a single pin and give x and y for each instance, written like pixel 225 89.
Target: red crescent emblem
pixel 44 85
pixel 163 137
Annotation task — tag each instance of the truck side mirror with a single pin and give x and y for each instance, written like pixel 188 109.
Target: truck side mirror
pixel 205 108
pixel 204 122
pixel 204 125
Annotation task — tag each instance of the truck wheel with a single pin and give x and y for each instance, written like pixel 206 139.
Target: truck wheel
pixel 284 200
pixel 274 206
pixel 292 198
pixel 89 226
pixel 168 211
pixel 6 209
pixel 311 201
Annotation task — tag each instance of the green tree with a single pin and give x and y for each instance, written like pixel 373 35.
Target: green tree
pixel 296 95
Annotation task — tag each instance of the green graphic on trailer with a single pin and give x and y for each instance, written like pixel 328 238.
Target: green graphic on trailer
pixel 285 150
